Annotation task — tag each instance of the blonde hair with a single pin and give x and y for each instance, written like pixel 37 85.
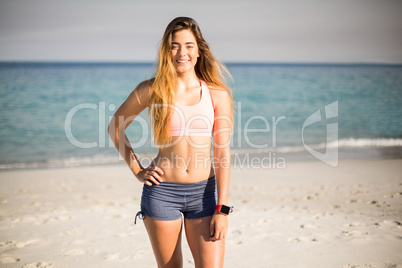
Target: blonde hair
pixel 207 68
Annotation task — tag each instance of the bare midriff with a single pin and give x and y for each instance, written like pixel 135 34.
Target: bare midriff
pixel 187 160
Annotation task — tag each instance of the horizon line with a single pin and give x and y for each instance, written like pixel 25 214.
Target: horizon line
pixel 225 62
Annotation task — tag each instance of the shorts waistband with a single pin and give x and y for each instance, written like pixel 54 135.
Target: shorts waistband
pixel 178 188
pixel 190 184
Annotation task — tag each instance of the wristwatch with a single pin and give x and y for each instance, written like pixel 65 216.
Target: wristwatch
pixel 223 209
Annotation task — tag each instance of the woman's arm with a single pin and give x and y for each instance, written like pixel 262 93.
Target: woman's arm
pixel 136 102
pixel 221 135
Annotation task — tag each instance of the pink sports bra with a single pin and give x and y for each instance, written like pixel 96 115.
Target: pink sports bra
pixel 194 120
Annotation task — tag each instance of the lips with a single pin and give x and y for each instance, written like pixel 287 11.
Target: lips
pixel 182 61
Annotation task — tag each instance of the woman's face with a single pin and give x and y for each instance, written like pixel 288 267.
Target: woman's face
pixel 184 51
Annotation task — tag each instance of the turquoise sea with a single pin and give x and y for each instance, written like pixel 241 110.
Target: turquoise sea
pixel 56 114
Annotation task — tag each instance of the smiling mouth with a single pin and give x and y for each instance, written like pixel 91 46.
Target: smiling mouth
pixel 182 61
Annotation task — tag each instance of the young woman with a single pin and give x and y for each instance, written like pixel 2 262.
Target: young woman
pixel 190 106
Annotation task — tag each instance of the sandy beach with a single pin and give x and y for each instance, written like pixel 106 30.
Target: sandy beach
pixel 306 215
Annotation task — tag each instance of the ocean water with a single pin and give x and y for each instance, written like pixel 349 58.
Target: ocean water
pixel 56 114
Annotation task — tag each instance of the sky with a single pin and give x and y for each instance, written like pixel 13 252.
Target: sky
pixel 286 31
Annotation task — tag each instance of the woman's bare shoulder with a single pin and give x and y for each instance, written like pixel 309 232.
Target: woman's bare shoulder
pixel 145 86
pixel 142 92
pixel 218 93
pixel 213 86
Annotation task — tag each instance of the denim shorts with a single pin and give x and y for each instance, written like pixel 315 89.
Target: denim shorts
pixel 170 200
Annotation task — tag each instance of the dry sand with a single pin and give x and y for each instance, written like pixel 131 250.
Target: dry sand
pixel 307 215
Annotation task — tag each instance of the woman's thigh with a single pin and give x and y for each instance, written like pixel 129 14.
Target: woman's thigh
pixel 206 253
pixel 165 239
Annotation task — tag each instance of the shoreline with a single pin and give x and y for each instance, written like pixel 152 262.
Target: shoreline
pixel 238 158
pixel 347 216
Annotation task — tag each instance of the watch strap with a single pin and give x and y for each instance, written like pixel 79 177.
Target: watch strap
pixel 224 209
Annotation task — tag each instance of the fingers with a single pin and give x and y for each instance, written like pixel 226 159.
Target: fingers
pixel 148 182
pixel 217 233
pixel 218 236
pixel 212 229
pixel 153 175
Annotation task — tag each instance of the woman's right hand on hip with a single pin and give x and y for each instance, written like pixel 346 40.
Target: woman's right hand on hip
pixel 150 175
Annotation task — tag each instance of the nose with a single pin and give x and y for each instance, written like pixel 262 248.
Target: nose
pixel 182 51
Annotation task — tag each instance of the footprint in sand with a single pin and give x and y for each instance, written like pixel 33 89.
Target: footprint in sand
pixel 18 244
pixel 28 219
pixel 235 233
pixel 69 232
pixel 113 216
pixel 50 219
pixel 354 233
pixel 112 257
pixel 354 201
pixel 26 243
pixel 6 243
pixel 301 239
pixel 80 242
pixel 388 223
pixel 235 236
pixel 84 197
pixel 9 260
pixel 39 265
pixel 117 257
pixel 393 195
pixel 311 197
pixel 33 204
pixel 20 191
pixel 357 192
pixel 309 226
pixel 355 224
pixel 75 252
pixel 122 235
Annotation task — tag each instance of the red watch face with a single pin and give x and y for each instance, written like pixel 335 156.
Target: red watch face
pixel 225 209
